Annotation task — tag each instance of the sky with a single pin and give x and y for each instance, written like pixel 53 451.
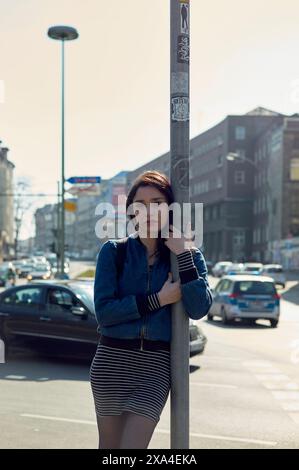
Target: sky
pixel 243 55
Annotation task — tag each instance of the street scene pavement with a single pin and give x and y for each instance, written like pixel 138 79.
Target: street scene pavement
pixel 244 391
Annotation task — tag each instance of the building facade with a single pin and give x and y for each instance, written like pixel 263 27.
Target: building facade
pixel 6 206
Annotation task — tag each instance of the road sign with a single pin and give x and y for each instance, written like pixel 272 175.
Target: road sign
pixel 84 179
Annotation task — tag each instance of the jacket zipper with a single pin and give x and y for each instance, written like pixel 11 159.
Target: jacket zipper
pixel 143 326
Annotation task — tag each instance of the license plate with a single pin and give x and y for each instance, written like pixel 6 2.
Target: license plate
pixel 256 303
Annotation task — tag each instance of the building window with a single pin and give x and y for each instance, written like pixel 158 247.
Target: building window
pixel 239 177
pixel 219 182
pixel 240 133
pixel 241 155
pixel 219 160
pixel 294 169
pixel 239 238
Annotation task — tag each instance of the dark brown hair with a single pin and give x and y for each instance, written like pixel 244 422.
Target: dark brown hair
pixel 161 182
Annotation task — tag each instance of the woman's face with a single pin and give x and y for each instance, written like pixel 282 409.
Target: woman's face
pixel 151 211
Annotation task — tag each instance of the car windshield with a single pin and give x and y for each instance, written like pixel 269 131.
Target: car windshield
pixel 84 293
pixel 40 267
pixel 254 287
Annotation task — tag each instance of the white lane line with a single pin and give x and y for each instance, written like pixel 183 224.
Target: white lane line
pixel 206 384
pixel 257 363
pixel 56 418
pixel 285 395
pixel 217 358
pixel 295 417
pixel 162 431
pixel 290 406
pixel 276 377
pixel 280 386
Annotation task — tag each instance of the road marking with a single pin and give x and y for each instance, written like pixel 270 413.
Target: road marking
pixel 56 418
pixel 217 358
pixel 295 417
pixel 290 406
pixel 205 384
pixel 270 377
pixel 162 431
pixel 285 395
pixel 281 386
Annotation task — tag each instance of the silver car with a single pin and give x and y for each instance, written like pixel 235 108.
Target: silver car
pixel 219 268
pixel 275 271
pixel 249 297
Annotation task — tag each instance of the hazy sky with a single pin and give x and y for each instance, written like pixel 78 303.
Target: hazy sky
pixel 243 55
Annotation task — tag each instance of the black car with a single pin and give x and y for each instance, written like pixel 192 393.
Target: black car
pixel 58 318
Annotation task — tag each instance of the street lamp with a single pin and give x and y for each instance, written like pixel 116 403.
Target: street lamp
pixel 233 157
pixel 62 33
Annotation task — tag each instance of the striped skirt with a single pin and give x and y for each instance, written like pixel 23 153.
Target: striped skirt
pixel 130 380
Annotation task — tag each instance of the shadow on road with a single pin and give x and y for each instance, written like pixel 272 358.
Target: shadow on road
pixel 28 366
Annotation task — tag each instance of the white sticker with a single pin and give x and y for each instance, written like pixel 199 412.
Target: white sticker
pixel 180 108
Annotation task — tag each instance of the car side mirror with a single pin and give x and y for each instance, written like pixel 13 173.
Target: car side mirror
pixel 80 311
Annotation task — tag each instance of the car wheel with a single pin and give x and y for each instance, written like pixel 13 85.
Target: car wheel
pixel 210 317
pixel 225 320
pixel 273 323
pixel 4 345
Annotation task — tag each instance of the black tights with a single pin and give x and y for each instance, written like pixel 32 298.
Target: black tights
pixel 126 431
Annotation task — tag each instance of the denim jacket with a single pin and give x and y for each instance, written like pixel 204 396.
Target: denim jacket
pixel 117 311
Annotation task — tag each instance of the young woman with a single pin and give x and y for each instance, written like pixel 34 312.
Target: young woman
pixel 130 374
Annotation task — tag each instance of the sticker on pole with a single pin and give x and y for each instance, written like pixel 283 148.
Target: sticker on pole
pixel 180 108
pixel 184 10
pixel 183 49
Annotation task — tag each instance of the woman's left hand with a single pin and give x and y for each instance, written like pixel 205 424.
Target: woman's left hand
pixel 179 243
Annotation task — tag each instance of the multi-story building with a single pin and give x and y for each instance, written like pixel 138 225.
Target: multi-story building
pixel 46 228
pixel 6 206
pixel 236 225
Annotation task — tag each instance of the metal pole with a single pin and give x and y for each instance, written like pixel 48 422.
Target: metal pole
pixel 58 229
pixel 179 176
pixel 62 162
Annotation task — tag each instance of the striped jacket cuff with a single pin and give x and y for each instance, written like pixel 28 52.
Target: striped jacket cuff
pixel 187 269
pixel 147 303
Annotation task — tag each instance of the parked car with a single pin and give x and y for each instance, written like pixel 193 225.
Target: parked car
pixel 276 272
pixel 219 267
pixel 245 297
pixel 253 268
pixel 58 318
pixel 234 268
pixel 26 268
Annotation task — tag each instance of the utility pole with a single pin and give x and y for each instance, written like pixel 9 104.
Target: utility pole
pixel 179 177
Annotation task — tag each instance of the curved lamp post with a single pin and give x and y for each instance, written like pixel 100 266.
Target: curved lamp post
pixel 62 33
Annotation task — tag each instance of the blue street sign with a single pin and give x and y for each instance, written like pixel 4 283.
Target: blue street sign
pixel 84 179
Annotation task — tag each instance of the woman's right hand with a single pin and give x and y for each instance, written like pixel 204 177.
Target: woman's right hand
pixel 170 292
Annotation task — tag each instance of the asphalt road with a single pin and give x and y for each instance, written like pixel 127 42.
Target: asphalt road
pixel 244 392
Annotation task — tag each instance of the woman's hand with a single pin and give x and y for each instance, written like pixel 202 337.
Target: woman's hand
pixel 179 243
pixel 170 292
